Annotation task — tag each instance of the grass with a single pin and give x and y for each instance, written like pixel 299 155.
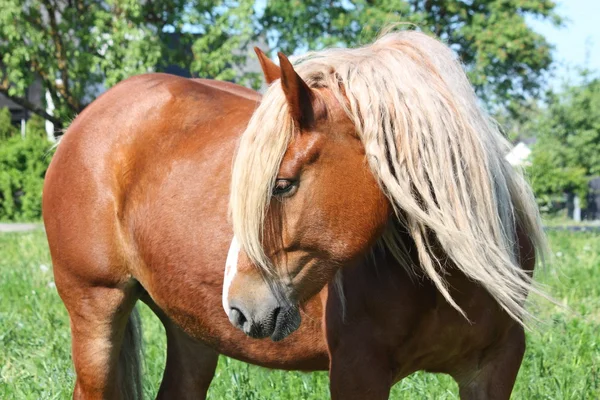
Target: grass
pixel 562 220
pixel 562 359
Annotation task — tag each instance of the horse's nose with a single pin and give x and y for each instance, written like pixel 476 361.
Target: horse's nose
pixel 250 324
pixel 257 325
pixel 238 319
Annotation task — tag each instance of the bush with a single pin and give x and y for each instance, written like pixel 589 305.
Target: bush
pixel 550 182
pixel 23 164
pixel 6 128
pixel 567 152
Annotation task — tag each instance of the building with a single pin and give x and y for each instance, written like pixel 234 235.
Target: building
pixel 519 154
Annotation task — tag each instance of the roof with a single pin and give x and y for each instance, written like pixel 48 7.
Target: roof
pixel 519 154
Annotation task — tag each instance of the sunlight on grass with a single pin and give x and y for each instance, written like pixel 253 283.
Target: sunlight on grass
pixel 562 359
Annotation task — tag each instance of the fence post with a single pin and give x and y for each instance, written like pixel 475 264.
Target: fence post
pixel 576 209
pixel 49 125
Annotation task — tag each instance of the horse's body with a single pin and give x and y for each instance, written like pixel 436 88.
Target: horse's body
pixel 135 207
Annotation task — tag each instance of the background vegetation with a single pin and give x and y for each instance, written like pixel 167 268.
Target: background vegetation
pixel 562 360
pixel 77 49
pixel 567 151
pixel 23 164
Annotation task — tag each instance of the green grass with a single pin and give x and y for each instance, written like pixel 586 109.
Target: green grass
pixel 561 219
pixel 562 360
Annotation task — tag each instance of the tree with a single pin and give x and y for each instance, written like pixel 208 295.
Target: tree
pixel 568 142
pixel 6 128
pixel 77 46
pixel 505 59
pixel 551 178
pixel 225 29
pixel 23 164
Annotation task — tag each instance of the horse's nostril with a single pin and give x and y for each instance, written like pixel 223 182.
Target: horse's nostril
pixel 275 315
pixel 237 317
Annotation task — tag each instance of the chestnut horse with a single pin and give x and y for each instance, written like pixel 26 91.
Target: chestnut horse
pixel 135 207
pixel 373 171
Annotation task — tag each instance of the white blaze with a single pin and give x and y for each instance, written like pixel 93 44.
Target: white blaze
pixel 230 271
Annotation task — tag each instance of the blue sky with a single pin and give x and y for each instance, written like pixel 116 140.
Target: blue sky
pixel 577 44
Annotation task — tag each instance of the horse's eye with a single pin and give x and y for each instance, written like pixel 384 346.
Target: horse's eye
pixel 284 188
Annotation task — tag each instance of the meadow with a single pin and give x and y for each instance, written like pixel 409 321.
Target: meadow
pixel 562 359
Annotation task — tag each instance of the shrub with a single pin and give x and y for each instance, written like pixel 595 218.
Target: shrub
pixel 6 128
pixel 550 182
pixel 567 152
pixel 23 164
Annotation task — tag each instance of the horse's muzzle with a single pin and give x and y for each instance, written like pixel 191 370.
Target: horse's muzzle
pixel 276 322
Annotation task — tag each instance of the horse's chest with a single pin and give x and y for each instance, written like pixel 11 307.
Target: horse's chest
pixel 418 328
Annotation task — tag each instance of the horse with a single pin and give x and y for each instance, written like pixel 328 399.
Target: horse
pixel 373 172
pixel 135 208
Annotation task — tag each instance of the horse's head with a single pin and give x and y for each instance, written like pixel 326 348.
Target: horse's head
pixel 304 202
pixel 345 138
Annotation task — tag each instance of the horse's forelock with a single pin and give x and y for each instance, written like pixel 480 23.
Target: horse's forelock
pixel 256 164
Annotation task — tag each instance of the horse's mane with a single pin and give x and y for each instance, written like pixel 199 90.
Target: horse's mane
pixel 436 154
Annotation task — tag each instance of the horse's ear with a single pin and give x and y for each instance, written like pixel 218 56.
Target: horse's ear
pixel 270 70
pixel 299 96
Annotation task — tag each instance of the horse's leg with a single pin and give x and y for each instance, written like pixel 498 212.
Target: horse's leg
pixel 359 370
pixel 190 364
pixel 496 373
pixel 190 367
pixel 104 337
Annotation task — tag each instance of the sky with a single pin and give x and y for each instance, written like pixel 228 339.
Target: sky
pixel 577 44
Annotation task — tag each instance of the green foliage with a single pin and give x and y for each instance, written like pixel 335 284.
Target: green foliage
pixel 568 146
pixel 226 30
pixel 6 128
pixel 562 360
pixel 550 181
pixel 573 122
pixel 36 128
pixel 77 49
pixel 522 124
pixel 23 164
pixel 504 57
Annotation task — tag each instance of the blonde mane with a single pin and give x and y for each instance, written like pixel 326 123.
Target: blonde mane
pixel 436 154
